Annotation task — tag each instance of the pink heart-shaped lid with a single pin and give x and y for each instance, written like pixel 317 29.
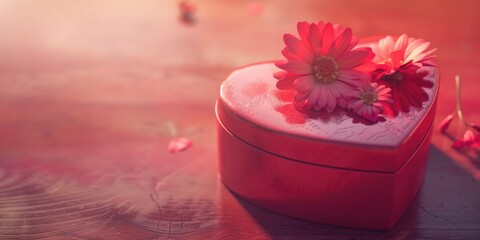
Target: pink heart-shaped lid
pixel 251 108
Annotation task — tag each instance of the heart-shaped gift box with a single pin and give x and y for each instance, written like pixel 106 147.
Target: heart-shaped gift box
pixel 332 168
pixel 338 132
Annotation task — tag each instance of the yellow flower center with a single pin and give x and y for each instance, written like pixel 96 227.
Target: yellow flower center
pixel 325 69
pixel 369 98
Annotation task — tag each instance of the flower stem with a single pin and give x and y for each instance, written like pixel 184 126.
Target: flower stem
pixel 459 104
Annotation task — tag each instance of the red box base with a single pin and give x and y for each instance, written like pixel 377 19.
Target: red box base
pixel 345 197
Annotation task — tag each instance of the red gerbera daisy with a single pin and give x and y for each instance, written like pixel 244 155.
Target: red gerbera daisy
pixel 399 64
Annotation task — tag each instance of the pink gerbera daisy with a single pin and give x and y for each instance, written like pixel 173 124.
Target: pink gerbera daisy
pixel 391 55
pixel 323 65
pixel 368 101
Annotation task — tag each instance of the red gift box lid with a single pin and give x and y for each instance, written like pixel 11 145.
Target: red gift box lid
pixel 257 113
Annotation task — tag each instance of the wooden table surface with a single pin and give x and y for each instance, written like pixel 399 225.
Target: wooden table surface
pixel 89 88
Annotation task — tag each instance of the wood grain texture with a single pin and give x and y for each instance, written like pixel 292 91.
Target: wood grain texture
pixel 87 87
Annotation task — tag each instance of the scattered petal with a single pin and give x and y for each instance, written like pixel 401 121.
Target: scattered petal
pixel 443 126
pixel 187 12
pixel 179 145
pixel 470 138
pixel 458 144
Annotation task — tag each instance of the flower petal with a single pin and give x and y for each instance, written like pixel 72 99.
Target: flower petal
pixel 314 39
pixel 458 144
pixel 324 95
pixel 401 43
pixel 304 83
pixel 284 84
pixel 179 145
pixel 355 58
pixel 303 29
pixel 338 30
pixel 291 41
pixel 331 102
pixel 327 38
pixel 299 97
pixel 443 125
pixel 356 105
pixel 384 90
pixel 314 95
pixel 416 52
pixel 340 89
pixel 397 58
pixel 342 102
pixel 377 104
pixel 387 44
pixel 367 67
pixel 280 74
pixel 296 67
pixel 353 77
pixel 296 49
pixel 469 137
pixel 413 44
pixel 341 43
